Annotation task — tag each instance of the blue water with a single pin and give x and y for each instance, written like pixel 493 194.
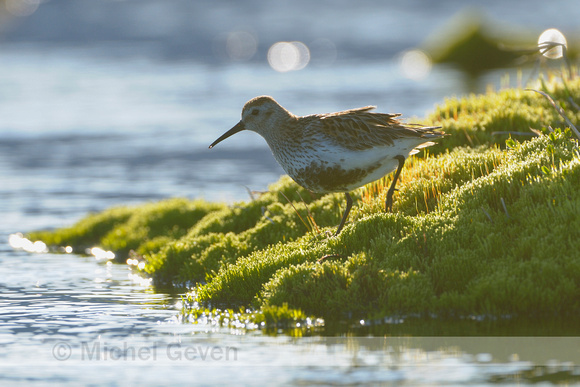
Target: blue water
pixel 106 103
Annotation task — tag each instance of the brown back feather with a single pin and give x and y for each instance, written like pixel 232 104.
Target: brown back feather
pixel 359 129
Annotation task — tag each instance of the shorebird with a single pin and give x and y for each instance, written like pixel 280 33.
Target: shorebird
pixel 335 152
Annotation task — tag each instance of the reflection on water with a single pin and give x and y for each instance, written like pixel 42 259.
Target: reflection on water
pixel 552 43
pixel 288 56
pixel 21 8
pixel 415 64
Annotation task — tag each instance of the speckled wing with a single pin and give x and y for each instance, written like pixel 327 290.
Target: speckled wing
pixel 359 129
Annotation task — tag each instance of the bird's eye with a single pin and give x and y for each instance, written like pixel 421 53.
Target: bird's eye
pixel 255 112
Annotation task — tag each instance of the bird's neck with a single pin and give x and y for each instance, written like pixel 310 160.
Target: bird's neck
pixel 281 129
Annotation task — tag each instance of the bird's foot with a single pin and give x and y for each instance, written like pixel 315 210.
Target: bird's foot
pixel 389 201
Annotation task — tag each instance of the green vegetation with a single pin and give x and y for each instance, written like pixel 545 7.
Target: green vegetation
pixel 270 318
pixel 123 229
pixel 475 44
pixel 478 228
pixel 472 43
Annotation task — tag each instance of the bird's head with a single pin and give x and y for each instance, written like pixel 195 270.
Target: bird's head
pixel 261 115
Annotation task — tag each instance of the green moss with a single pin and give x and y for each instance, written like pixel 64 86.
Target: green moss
pixel 87 232
pixel 122 229
pixel 483 119
pixel 478 228
pixel 280 315
pixel 170 218
pixel 271 319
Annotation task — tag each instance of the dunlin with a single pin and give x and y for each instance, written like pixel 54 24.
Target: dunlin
pixel 335 152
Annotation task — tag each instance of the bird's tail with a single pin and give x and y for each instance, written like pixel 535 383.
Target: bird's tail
pixel 428 132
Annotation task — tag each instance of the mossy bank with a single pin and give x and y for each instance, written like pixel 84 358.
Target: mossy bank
pixel 477 228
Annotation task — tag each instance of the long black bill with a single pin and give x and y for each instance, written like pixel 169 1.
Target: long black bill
pixel 238 128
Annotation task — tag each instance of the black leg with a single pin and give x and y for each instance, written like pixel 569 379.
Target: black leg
pixel 391 191
pixel 345 215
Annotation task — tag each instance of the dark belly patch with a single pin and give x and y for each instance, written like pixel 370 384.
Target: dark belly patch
pixel 323 178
